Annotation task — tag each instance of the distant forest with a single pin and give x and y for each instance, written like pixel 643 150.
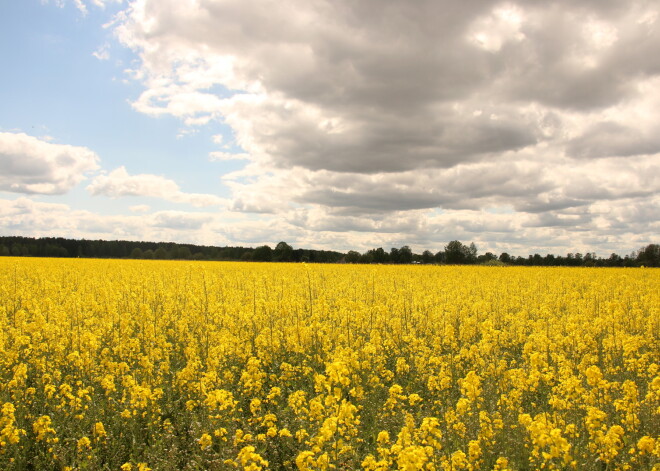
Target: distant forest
pixel 454 253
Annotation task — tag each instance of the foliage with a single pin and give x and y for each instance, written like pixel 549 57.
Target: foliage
pixel 166 365
pixel 59 247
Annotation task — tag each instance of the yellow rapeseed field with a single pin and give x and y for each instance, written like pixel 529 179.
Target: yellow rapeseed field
pixel 138 365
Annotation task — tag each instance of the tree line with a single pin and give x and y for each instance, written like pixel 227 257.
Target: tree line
pixel 457 253
pixel 454 253
pixel 59 247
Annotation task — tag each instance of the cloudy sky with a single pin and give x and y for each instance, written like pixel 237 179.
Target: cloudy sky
pixel 525 127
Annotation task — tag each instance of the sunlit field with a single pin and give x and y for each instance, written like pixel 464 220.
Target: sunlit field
pixel 138 365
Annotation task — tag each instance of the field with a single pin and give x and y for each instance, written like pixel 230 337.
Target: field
pixel 138 365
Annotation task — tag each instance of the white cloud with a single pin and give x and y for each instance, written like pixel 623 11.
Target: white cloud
pixel 180 220
pixel 220 156
pixel 140 208
pixel 81 5
pixel 103 52
pixel 119 183
pixel 503 24
pixel 604 228
pixel 30 165
pixel 24 216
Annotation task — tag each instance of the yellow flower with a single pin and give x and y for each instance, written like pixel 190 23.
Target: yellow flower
pixel 42 427
pixel 205 441
pixel 646 444
pixel 251 460
pixel 459 460
pixel 594 375
pixel 84 444
pixel 255 406
pixel 414 399
pixel 502 464
pixel 383 437
pixel 99 430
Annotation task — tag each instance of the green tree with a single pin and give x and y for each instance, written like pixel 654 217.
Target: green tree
pixel 367 257
pixel 649 256
pixel 181 252
pixel 262 254
pixel 487 257
pixel 471 253
pixel 427 257
pixel 379 255
pixel 352 257
pixel 455 253
pixel 283 252
pixel 136 253
pixel 405 254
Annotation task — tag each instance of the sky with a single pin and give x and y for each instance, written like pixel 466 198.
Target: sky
pixel 524 127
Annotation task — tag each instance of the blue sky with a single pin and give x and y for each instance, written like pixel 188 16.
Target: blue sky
pixel 54 86
pixel 520 126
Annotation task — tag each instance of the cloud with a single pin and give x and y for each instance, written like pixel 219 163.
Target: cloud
pixel 119 183
pixel 33 166
pixel 103 52
pixel 605 227
pixel 220 156
pixel 25 216
pixel 81 5
pixel 382 120
pixel 140 208
pixel 179 220
pixel 610 139
pixel 375 87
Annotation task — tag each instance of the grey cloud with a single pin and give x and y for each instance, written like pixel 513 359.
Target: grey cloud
pixel 645 213
pixel 558 65
pixel 362 110
pixel 489 226
pixel 551 219
pixel 610 139
pixel 360 224
pixel 391 73
pixel 553 203
pixel 462 187
pixel 375 201
pixel 437 138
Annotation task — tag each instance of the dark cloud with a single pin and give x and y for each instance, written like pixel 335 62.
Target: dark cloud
pixel 610 139
pixel 353 112
pixel 551 219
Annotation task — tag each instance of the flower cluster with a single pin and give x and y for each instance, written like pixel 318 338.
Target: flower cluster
pixel 163 365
